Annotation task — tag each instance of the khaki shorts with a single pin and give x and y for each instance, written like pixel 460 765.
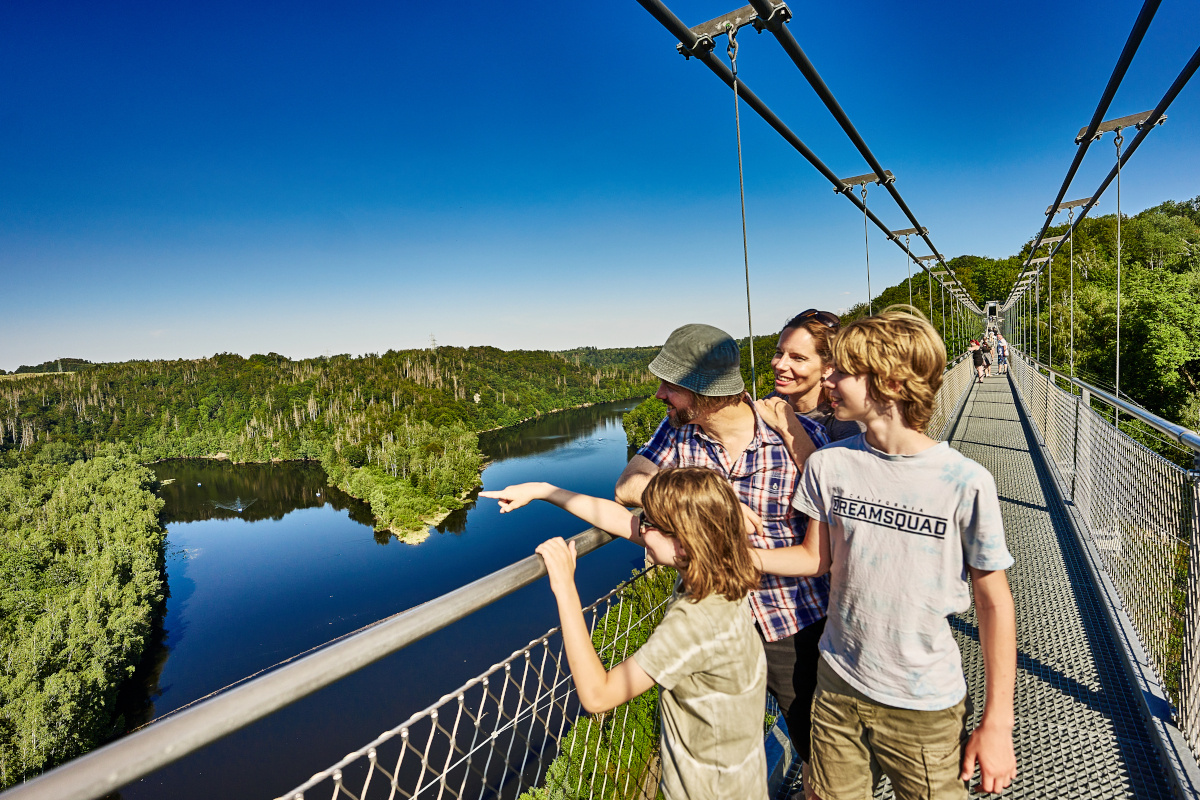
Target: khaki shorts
pixel 855 741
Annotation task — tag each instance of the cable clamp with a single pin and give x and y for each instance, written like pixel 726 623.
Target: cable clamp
pixel 780 14
pixel 1157 122
pixel 704 45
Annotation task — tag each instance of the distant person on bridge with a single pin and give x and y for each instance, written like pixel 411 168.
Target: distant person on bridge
pixel 1001 355
pixel 985 347
pixel 802 361
pixel 705 654
pixel 899 520
pixel 976 360
pixel 712 423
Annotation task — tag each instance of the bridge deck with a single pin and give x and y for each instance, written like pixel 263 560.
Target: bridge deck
pixel 1079 732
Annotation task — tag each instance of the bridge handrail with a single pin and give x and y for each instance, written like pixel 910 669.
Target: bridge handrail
pixel 1178 433
pixel 107 769
pixel 1136 514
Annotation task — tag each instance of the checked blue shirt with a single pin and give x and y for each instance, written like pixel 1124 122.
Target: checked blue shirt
pixel 765 478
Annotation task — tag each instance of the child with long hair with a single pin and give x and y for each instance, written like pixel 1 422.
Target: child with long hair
pixel 705 655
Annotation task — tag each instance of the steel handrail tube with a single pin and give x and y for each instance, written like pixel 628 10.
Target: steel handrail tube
pixel 689 40
pixel 1181 80
pixel 790 46
pixel 109 768
pixel 1184 436
pixel 1140 25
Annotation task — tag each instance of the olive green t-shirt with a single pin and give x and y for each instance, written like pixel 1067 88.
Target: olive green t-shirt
pixel 709 663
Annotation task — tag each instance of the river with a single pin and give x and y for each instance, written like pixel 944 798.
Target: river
pixel 267 561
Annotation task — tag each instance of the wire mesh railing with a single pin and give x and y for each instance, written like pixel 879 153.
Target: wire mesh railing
pixel 516 730
pixel 955 383
pixel 1139 510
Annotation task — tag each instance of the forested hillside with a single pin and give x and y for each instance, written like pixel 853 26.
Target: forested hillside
pixel 630 358
pixel 397 429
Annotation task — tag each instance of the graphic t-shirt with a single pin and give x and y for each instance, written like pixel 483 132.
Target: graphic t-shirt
pixel 902 531
pixel 708 661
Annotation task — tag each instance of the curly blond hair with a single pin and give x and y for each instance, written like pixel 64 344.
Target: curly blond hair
pixel 901 354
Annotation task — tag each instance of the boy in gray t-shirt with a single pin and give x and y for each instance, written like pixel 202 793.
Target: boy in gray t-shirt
pixel 899 521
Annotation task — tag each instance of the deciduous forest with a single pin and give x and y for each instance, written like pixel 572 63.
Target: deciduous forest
pixel 81 571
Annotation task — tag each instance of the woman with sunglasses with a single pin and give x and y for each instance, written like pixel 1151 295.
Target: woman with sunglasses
pixel 705 655
pixel 803 359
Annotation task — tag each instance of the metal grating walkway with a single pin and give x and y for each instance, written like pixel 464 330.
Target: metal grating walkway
pixel 1079 731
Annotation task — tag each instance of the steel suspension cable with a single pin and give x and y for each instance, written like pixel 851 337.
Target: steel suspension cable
pixel 1117 140
pixel 1070 224
pixel 929 275
pixel 943 293
pixel 775 24
pixel 867 250
pixel 1050 310
pixel 908 264
pixel 700 48
pixel 737 119
pixel 732 49
pixel 1156 116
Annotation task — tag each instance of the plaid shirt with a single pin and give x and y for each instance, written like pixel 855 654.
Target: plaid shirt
pixel 765 478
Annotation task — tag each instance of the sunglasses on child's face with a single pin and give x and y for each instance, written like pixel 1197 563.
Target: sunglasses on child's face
pixel 645 524
pixel 823 317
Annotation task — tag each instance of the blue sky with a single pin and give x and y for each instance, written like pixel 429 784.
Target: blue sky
pixel 188 178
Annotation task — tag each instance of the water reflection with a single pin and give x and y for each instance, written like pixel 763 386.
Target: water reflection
pixel 298 565
pixel 577 429
pixel 198 489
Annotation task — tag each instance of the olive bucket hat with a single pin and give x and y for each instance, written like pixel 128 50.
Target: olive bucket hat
pixel 701 358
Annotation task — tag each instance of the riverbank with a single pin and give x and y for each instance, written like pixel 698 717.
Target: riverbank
pixel 398 505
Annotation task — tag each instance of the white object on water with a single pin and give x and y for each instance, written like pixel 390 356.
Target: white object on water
pixel 197 484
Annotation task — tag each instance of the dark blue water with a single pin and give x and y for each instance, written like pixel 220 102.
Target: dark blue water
pixel 262 567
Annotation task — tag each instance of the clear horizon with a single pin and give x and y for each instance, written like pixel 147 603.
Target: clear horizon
pixel 295 178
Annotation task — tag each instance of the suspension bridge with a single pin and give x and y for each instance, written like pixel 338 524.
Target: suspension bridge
pixel 1103 528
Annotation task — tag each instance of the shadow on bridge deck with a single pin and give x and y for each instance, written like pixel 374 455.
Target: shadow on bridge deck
pixel 1079 729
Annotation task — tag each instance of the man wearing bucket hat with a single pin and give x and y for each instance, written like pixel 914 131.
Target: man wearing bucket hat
pixel 712 423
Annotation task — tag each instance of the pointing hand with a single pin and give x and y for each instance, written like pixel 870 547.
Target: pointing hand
pixel 513 497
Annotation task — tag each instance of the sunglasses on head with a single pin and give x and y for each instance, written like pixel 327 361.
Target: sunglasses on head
pixel 645 523
pixel 823 317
